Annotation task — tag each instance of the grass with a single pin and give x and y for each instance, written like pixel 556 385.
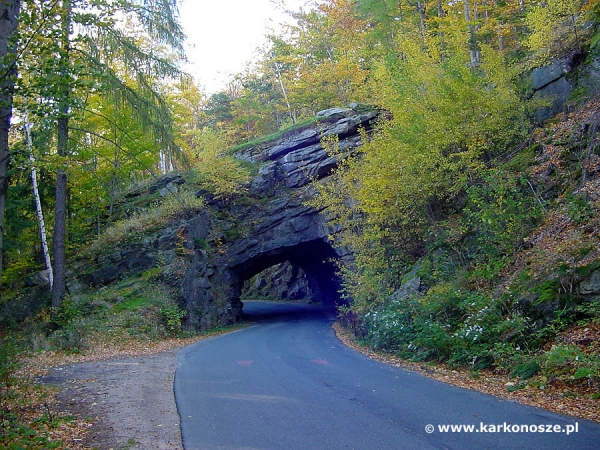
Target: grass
pixel 277 135
pixel 124 230
pixel 133 304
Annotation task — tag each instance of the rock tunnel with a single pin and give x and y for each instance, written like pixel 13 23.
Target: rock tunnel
pixel 285 229
pixel 276 222
pixel 207 254
pixel 316 258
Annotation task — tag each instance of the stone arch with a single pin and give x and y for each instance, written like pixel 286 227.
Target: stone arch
pixel 316 258
pixel 274 222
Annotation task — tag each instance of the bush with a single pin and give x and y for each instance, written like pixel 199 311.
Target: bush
pixel 569 362
pixel 462 327
pixel 525 370
pixel 499 213
pixel 171 316
pixel 171 206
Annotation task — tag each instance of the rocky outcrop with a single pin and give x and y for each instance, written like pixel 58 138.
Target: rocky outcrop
pixel 274 224
pixel 299 157
pixel 280 282
pixel 591 285
pixel 557 81
pixel 208 255
pixel 550 82
pixel 165 184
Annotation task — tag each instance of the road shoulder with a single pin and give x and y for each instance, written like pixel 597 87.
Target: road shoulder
pixel 132 399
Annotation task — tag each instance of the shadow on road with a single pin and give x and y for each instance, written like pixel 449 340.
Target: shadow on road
pixel 262 311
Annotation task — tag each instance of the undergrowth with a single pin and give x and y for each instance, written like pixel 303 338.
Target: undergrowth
pixel 153 216
pixel 130 313
pixel 501 282
pixel 27 418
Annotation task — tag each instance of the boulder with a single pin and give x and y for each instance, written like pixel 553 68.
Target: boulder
pixel 549 82
pixel 591 286
pixel 409 288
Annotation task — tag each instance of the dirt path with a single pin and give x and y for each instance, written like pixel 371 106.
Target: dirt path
pixel 132 398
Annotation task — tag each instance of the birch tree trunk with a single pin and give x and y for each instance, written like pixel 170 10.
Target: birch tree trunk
pixel 474 51
pixel 38 203
pixel 285 96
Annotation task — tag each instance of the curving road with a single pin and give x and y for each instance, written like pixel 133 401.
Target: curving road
pixel 288 383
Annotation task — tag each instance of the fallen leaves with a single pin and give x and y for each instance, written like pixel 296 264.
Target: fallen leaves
pixel 41 402
pixel 572 400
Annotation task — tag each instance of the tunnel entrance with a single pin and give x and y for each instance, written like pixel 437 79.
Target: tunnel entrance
pixel 312 263
pixel 284 281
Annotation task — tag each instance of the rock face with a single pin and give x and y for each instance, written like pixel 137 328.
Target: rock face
pixel 281 282
pixel 297 158
pixel 558 80
pixel 550 82
pixel 276 225
pixel 208 255
pixel 591 286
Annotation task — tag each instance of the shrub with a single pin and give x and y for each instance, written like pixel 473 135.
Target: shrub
pixel 22 422
pixel 462 327
pixel 172 205
pixel 569 362
pixel 171 316
pixel 499 213
pixel 525 370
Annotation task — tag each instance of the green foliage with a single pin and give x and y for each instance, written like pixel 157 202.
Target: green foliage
pixel 70 332
pixel 579 208
pixel 67 312
pixel 500 212
pixel 217 171
pixel 590 310
pixel 557 27
pixel 548 290
pixel 522 161
pixel 461 327
pixel 447 119
pixel 200 244
pixel 594 41
pixel 170 207
pixel 469 329
pixel 171 316
pixel 104 84
pixel 568 362
pixel 70 338
pixel 525 370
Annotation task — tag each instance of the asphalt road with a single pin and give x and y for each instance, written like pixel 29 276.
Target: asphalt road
pixel 288 383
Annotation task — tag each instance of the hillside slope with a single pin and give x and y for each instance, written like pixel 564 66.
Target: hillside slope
pixel 526 319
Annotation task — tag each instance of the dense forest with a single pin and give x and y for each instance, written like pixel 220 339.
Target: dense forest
pixel 459 186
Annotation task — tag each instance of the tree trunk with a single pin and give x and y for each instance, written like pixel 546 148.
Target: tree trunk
pixel 285 96
pixel 59 288
pixel 474 51
pixel 38 203
pixel 422 25
pixel 9 11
